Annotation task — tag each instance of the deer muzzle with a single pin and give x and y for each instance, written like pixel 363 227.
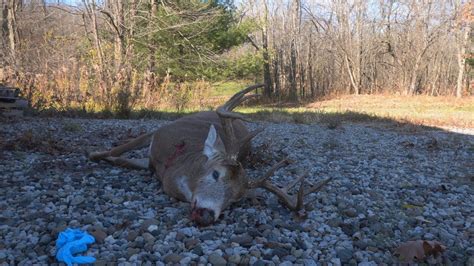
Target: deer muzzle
pixel 202 216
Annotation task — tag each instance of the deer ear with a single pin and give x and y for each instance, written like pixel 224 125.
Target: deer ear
pixel 213 143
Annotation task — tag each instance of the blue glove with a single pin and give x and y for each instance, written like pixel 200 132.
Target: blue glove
pixel 72 241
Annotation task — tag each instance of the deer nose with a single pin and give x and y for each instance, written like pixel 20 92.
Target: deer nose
pixel 202 216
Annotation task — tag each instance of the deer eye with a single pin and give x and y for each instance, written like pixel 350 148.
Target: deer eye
pixel 215 175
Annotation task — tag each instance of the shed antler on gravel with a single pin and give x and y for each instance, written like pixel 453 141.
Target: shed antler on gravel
pixel 198 159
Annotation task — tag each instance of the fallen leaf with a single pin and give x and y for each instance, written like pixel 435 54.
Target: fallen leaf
pixel 408 144
pixel 432 144
pixel 419 250
pixel 422 219
pixel 409 206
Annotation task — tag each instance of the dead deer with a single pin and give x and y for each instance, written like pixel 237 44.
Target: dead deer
pixel 198 159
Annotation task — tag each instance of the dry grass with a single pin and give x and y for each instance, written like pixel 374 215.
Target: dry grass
pixel 416 111
pixel 424 110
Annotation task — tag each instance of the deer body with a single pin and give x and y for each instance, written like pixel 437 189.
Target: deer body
pixel 198 159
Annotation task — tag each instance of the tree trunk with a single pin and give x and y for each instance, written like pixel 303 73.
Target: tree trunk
pixel 267 77
pixel 151 46
pixel 95 32
pixel 4 21
pixel 131 29
pixel 91 9
pixel 119 22
pixel 293 96
pixel 11 25
pixel 462 60
pixel 277 73
pixel 351 76
pixel 414 75
pixel 294 51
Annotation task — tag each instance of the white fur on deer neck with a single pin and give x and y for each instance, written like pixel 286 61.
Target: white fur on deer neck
pixel 183 186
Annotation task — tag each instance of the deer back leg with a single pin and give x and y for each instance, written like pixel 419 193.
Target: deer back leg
pixel 137 143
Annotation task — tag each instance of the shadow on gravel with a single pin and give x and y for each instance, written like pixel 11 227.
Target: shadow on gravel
pixel 332 119
pixel 44 141
pixel 256 112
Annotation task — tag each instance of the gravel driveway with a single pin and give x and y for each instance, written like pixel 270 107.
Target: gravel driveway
pixel 390 184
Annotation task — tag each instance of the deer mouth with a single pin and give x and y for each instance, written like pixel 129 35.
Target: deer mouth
pixel 203 213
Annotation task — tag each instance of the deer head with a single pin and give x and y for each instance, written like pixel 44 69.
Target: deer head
pixel 223 179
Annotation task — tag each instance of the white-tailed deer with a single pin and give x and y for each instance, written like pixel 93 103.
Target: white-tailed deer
pixel 198 159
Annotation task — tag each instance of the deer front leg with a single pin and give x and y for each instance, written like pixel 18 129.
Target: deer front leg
pixel 142 163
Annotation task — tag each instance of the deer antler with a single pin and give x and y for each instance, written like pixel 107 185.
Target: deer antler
pixel 294 203
pixel 233 146
pixel 227 116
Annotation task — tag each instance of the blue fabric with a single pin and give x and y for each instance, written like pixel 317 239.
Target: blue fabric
pixel 70 242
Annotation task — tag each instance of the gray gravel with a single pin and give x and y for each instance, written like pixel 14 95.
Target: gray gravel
pixel 391 184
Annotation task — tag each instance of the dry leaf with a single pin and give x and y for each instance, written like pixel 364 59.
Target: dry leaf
pixel 408 144
pixel 422 219
pixel 419 250
pixel 409 206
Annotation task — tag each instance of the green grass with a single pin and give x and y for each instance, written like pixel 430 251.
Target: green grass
pixel 228 88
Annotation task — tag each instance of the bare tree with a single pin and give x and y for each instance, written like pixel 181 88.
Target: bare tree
pixel 121 50
pixel 326 47
pixel 463 23
pixel 10 27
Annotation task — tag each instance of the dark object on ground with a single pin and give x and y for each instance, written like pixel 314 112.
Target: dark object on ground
pixel 11 104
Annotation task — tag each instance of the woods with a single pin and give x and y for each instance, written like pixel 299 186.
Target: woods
pixel 354 47
pixel 123 55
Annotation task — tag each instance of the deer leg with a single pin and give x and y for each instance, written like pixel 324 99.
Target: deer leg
pixel 142 163
pixel 137 143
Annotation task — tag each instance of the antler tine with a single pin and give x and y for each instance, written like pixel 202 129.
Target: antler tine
pixel 259 182
pixel 294 203
pixel 239 97
pixel 238 101
pixel 226 116
pixel 226 109
pixel 318 186
pixel 295 182
pixel 250 136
